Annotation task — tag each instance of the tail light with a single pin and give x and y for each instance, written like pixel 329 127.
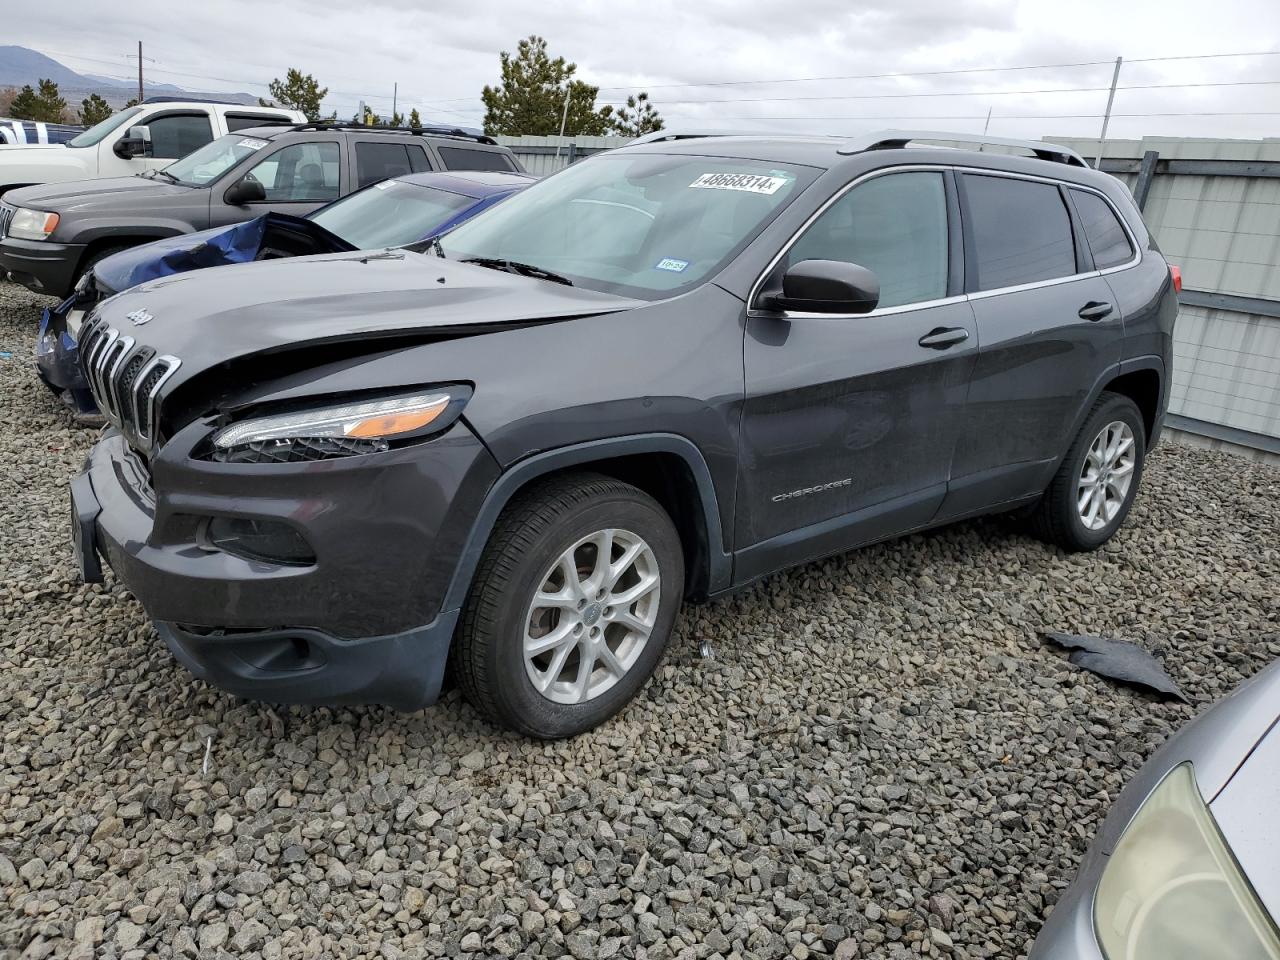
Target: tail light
pixel 1176 273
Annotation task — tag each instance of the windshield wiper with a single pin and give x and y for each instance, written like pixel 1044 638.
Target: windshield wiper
pixel 515 266
pixel 433 243
pixel 166 173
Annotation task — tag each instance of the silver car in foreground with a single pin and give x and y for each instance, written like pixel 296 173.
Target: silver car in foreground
pixel 1187 864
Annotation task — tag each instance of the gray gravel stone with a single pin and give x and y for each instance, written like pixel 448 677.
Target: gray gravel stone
pixel 881 760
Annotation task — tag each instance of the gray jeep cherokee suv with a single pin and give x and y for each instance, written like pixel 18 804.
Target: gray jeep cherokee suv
pixel 657 375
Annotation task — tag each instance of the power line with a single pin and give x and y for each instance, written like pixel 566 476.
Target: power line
pixel 945 73
pixel 974 93
pixel 1018 116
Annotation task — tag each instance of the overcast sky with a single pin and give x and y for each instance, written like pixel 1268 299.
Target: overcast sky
pixel 689 54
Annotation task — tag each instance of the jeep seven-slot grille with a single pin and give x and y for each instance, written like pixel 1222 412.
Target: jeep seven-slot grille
pixel 125 379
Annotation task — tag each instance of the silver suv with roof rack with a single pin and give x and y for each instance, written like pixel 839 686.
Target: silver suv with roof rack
pixel 52 235
pixel 665 372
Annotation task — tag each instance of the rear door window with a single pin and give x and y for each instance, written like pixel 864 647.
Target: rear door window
pixel 894 225
pixel 1108 241
pixel 1021 231
pixel 241 121
pixel 462 158
pixel 381 161
pixel 178 134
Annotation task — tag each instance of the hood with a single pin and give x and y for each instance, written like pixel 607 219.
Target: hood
pixel 110 193
pixel 219 246
pixel 16 149
pixel 1245 811
pixel 212 316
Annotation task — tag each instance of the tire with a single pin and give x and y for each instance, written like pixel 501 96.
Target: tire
pixel 91 262
pixel 537 530
pixel 1059 517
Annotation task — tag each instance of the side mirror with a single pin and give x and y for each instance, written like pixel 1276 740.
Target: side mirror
pixel 136 143
pixel 245 191
pixel 824 286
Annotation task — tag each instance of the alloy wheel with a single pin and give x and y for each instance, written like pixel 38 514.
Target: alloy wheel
pixel 591 616
pixel 1106 475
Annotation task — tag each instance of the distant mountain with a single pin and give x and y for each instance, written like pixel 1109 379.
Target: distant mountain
pixel 22 65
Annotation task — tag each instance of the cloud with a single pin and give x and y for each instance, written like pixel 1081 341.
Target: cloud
pixel 441 55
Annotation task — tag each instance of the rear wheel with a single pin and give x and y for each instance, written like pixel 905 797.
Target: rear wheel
pixel 1094 488
pixel 572 606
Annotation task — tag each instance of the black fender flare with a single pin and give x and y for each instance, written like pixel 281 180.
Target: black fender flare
pixel 1131 365
pixel 523 471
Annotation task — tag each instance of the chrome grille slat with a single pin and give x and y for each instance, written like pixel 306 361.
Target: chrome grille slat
pixel 125 381
pixel 6 215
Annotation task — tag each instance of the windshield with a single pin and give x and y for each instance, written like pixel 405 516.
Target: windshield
pixel 638 224
pixel 214 159
pixel 392 213
pixel 99 130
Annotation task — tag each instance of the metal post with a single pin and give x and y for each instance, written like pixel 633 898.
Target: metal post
pixel 139 71
pixel 395 93
pixel 1146 173
pixel 564 119
pixel 573 152
pixel 1106 117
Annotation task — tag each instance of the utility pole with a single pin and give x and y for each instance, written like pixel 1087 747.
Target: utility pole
pixel 564 117
pixel 1106 117
pixel 139 71
pixel 395 93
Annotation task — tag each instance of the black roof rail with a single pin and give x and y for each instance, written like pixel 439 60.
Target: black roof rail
pixel 167 98
pixel 896 139
pixel 454 132
pixel 660 136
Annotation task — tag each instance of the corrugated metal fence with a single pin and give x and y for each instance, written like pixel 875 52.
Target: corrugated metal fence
pixel 1214 207
pixel 544 155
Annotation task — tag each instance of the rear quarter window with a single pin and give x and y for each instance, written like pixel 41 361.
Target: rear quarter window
pixel 1108 241
pixel 464 158
pixel 1021 231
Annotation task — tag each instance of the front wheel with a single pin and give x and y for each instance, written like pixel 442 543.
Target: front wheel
pixel 1094 488
pixel 572 606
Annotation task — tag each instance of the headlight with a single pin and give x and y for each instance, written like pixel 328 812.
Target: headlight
pixel 337 431
pixel 1173 891
pixel 32 224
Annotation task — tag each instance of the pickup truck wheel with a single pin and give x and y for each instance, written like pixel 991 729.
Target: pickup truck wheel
pixel 571 608
pixel 1090 495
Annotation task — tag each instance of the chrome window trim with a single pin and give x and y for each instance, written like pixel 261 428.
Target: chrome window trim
pixel 753 310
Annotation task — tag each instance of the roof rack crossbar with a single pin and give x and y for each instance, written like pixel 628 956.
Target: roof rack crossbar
pixel 453 132
pixel 896 139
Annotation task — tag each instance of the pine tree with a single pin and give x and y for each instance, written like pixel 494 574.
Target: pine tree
pixel 93 109
pixel 45 105
pixel 414 119
pixel 397 119
pixel 637 118
pixel 298 91
pixel 530 100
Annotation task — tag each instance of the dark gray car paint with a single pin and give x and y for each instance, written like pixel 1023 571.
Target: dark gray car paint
pixel 769 404
pixel 1226 747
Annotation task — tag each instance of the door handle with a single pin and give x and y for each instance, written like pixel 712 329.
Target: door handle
pixel 1095 310
pixel 939 338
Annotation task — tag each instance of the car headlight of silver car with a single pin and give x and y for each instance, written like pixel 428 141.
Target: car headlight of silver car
pixel 1172 889
pixel 341 430
pixel 32 224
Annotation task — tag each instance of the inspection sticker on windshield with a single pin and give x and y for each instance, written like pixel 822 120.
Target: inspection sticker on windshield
pixel 382 185
pixel 747 182
pixel 252 144
pixel 672 264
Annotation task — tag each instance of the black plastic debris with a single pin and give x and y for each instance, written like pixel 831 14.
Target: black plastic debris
pixel 1118 660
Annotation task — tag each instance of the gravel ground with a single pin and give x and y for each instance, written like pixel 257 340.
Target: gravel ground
pixel 880 760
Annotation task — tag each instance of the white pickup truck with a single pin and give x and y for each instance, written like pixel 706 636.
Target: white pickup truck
pixel 144 137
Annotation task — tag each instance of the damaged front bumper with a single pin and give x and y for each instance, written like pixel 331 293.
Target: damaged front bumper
pixel 57 356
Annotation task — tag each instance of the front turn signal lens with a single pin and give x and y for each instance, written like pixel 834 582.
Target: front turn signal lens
pixel 392 424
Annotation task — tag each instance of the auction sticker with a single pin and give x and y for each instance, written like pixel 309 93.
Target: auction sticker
pixel 746 182
pixel 252 144
pixel 672 264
